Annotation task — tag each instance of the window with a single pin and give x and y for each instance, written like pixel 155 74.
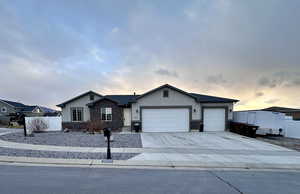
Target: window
pixel 92 97
pixel 77 114
pixel 165 93
pixel 106 114
pixel 3 109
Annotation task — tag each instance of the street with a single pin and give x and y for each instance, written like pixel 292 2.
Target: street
pixel 32 179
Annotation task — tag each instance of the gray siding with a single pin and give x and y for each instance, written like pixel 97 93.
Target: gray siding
pixel 4 119
pixel 81 102
pixel 175 99
pixel 9 108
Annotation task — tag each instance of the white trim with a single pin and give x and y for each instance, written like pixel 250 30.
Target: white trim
pixel 106 113
pixel 2 108
pixel 77 109
pixel 41 111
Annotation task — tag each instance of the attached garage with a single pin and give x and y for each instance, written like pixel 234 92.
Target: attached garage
pixel 165 120
pixel 214 119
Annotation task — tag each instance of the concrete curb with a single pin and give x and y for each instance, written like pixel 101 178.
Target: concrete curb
pixel 145 163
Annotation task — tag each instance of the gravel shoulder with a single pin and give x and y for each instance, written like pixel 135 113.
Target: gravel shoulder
pixel 76 139
pixel 290 143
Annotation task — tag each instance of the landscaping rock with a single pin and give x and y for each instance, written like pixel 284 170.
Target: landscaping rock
pixel 78 139
pixel 65 155
pixel 66 130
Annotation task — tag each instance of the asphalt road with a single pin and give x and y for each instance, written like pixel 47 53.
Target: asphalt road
pixel 32 180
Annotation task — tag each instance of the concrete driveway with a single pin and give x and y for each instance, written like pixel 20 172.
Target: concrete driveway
pixel 215 149
pixel 206 140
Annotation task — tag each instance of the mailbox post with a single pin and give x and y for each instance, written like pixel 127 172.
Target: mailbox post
pixel 24 124
pixel 107 134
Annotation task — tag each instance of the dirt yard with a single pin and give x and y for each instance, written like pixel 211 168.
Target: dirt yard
pixel 290 143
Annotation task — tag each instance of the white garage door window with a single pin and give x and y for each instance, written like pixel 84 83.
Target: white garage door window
pixel 165 120
pixel 214 119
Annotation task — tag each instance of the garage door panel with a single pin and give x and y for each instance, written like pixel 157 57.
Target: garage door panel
pixel 165 120
pixel 214 119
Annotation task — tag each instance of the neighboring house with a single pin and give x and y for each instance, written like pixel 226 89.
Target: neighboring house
pixel 9 108
pixel 163 109
pixel 295 113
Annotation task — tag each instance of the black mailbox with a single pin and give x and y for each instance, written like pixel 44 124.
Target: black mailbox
pixel 23 122
pixel 107 132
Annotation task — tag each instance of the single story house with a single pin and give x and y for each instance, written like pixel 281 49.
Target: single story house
pixel 293 112
pixel 9 109
pixel 163 109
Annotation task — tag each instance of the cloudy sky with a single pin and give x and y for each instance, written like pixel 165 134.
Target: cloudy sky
pixel 53 50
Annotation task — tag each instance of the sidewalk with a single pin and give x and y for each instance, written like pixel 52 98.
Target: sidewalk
pixel 145 163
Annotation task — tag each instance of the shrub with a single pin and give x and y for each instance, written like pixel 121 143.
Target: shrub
pixel 37 125
pixel 95 126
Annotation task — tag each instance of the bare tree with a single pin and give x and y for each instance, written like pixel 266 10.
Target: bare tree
pixel 37 125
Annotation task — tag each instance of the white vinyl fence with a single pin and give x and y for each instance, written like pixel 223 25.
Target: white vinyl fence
pixel 292 128
pixel 44 123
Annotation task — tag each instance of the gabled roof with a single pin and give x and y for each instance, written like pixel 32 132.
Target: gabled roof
pixel 121 100
pixel 212 99
pixel 100 99
pixel 166 86
pixel 197 97
pixel 47 110
pixel 125 100
pixel 77 97
pixel 281 109
pixel 42 108
pixel 30 108
pixel 14 104
pixel 27 108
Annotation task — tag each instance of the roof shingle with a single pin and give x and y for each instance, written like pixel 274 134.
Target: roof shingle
pixel 213 99
pixel 14 104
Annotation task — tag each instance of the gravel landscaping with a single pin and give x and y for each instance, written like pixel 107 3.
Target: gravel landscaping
pixel 64 155
pixel 77 139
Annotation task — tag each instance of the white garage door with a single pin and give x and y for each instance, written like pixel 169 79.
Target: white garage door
pixel 214 119
pixel 165 120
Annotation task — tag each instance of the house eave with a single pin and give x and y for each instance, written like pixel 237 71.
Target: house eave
pixel 91 104
pixel 8 104
pixel 165 86
pixel 62 105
